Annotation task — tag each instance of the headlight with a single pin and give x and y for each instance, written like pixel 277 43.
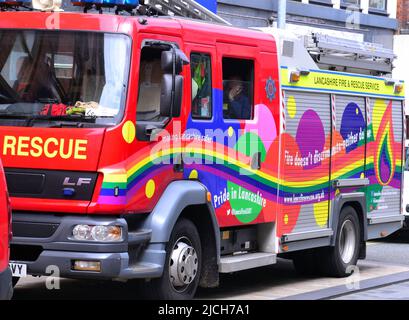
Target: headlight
pixel 84 232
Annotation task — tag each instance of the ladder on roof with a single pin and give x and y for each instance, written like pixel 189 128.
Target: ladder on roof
pixel 184 8
pixel 350 54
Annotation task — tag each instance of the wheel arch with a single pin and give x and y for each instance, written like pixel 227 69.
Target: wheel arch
pixel 188 199
pixel 357 201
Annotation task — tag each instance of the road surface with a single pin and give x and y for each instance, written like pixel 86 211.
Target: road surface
pixel 383 275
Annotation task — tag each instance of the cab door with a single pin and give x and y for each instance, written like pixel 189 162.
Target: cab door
pixel 153 160
pixel 245 107
pixel 203 96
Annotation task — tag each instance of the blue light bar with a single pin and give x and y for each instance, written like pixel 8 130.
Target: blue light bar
pixel 106 3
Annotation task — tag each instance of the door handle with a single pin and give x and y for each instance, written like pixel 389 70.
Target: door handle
pixel 256 161
pixel 178 165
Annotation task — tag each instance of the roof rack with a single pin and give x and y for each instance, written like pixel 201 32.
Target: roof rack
pixel 184 8
pixel 335 52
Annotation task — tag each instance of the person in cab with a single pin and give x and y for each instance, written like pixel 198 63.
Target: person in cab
pixel 236 102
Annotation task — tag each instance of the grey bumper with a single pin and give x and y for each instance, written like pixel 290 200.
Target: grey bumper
pixel 6 287
pixel 43 243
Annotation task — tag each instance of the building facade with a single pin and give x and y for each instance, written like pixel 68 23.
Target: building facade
pixel 403 16
pixel 401 45
pixel 366 20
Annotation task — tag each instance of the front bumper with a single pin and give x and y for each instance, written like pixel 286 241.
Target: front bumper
pixel 6 287
pixel 42 242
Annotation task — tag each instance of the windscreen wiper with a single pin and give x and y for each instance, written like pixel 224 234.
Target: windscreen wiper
pixel 73 120
pixel 31 119
pixel 13 116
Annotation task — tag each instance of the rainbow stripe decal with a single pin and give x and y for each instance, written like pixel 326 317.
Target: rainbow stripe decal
pixel 292 186
pixel 384 167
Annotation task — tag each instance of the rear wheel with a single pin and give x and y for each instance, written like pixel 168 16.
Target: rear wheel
pixel 182 269
pixel 338 260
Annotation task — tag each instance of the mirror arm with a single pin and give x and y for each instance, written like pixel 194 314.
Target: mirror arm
pixel 173 83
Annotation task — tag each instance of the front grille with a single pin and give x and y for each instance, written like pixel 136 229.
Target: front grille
pixel 33 230
pixel 25 183
pixel 19 252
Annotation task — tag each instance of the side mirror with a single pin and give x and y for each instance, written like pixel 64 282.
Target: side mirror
pixel 177 56
pixel 171 101
pixel 167 61
pixel 177 106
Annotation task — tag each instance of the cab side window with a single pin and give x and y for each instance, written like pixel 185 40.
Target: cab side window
pixel 201 71
pixel 150 79
pixel 238 88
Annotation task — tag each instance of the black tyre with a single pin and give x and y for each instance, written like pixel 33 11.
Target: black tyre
pixel 338 260
pixel 182 269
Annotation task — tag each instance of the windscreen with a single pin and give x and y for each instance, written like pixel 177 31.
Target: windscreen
pixel 48 76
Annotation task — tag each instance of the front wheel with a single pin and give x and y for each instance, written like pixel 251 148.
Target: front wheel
pixel 338 260
pixel 182 268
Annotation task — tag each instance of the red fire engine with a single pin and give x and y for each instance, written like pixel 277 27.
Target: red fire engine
pixel 172 150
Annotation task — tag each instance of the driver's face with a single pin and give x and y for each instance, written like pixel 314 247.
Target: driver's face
pixel 235 84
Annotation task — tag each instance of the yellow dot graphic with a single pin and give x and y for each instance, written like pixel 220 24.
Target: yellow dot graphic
pixel 230 132
pixel 286 219
pixel 357 111
pixel 321 213
pixel 291 106
pixel 128 131
pixel 194 175
pixel 362 175
pixel 150 189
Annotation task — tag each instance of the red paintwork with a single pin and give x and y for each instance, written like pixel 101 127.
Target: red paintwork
pixel 54 160
pixel 108 148
pixel 4 222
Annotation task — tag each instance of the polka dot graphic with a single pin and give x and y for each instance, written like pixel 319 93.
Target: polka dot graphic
pixel 353 126
pixel 321 213
pixel 230 132
pixel 194 175
pixel 310 137
pixel 128 131
pixel 265 127
pixel 291 106
pixel 150 189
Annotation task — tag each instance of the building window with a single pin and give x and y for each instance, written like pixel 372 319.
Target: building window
pixel 322 2
pixel 379 5
pixel 238 88
pixel 351 3
pixel 201 71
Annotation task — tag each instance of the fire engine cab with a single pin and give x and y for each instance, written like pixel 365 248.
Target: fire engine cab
pixel 163 148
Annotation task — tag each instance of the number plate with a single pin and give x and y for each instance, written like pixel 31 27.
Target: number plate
pixel 18 269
